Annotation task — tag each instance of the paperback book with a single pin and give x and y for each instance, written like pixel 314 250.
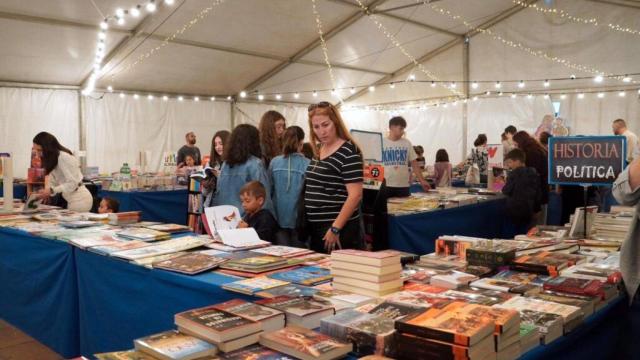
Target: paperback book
pixel 173 345
pixel 254 285
pixel 305 344
pixel 190 264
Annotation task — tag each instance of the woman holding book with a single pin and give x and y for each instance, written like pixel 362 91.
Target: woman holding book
pixel 64 173
pixel 242 164
pixel 212 170
pixel 333 187
pixel 272 126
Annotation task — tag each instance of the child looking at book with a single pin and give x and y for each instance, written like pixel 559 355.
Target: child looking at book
pixel 108 205
pixel 253 196
pixel 523 192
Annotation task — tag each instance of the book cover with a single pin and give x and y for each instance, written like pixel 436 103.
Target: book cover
pixel 580 287
pixel 124 355
pixel 254 352
pixel 306 344
pixel 504 319
pixel 191 263
pixel 372 258
pixel 418 298
pixel 174 345
pixel 372 335
pixel 520 303
pixel 299 306
pixel 491 257
pixel 253 285
pixel 248 310
pixel 283 251
pixel 336 326
pixel 162 248
pixel 292 290
pixel 258 261
pixel 307 275
pixel 212 318
pixel 143 234
pixel 472 297
pixel 169 228
pixel 396 310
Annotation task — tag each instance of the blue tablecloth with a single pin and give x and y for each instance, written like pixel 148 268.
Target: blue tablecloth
pixel 39 291
pixel 19 191
pixel 169 206
pixel 416 233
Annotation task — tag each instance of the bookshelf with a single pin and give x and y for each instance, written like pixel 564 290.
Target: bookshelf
pixel 194 216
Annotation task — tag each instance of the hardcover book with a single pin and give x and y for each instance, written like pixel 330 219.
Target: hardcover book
pixel 216 325
pixel 174 345
pixel 271 319
pixel 190 263
pixel 254 352
pixel 305 344
pixel 253 285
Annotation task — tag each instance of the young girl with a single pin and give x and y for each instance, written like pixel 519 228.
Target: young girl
pixel 272 126
pixel 215 164
pixel 242 164
pixel 286 173
pixel 442 169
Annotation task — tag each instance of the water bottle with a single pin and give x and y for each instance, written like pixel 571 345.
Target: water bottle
pixel 125 174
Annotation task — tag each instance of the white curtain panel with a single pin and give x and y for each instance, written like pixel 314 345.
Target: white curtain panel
pixel 250 113
pixel 593 116
pixel 26 112
pixel 119 128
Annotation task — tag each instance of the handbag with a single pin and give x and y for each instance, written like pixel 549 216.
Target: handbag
pixel 473 175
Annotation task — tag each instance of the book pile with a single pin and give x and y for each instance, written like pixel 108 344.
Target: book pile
pixel 546 262
pixel 270 319
pixel 572 316
pixel 161 248
pixel 596 288
pixel 143 234
pixel 226 330
pixel 452 280
pixel 302 311
pixel 258 265
pixel 305 344
pixel 124 218
pixel 491 254
pixel 169 228
pixel 612 227
pixel 594 271
pixel 457 245
pixel 366 273
pixel 368 333
pixel 190 263
pixel 586 303
pixel 307 276
pixel 342 300
pixel 252 286
pixel 168 345
pixel 459 331
pixel 283 251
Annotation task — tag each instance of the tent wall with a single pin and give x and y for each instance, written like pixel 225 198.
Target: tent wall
pixel 26 112
pixel 594 116
pixel 118 128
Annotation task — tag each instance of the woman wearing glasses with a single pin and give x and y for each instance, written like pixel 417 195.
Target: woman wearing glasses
pixel 333 187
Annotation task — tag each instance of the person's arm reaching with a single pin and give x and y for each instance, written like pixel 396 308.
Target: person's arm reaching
pixel 627 185
pixel 418 174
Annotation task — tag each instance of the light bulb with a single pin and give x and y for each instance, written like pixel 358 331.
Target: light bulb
pixel 122 95
pixel 136 96
pixel 165 98
pixel 169 2
pixel 119 12
pixel 102 35
pixel 622 94
pixel 120 21
pixel 581 96
pixel 104 25
pixel 352 90
pixel 110 88
pixel 151 6
pixel 546 96
pixel 213 98
pixel 600 95
pixel 180 98
pixel 135 11
pixel 196 98
pixel 563 96
pixel 412 77
pixel 546 83
pixel 150 97
pixel 229 98
pixel 626 78
pixel 475 98
pixel 513 96
pixel 433 84
pixel 498 85
pixel 598 79
pixel 529 96
pixel 453 85
pixel 500 93
pixel 243 94
pixel 488 93
pixel 372 88
pixel 521 84
pixel 315 93
pixel 474 85
pixel 278 97
pixel 392 85
pixel 260 97
pixel 296 96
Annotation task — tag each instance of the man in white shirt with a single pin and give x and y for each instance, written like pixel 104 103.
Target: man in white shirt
pixel 399 160
pixel 620 128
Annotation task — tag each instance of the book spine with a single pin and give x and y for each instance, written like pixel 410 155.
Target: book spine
pixel 431 333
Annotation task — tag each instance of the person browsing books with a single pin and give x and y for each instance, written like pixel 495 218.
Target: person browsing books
pixel 189 148
pixel 272 127
pixel 286 173
pixel 64 173
pixel 523 192
pixel 108 205
pixel 399 160
pixel 333 188
pixel 212 169
pixel 442 169
pixel 253 196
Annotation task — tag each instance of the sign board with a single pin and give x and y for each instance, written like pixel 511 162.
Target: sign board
pixel 496 155
pixel 370 144
pixel 586 160
pixel 374 172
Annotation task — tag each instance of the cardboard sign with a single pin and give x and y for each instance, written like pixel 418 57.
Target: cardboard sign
pixel 374 172
pixel 586 160
pixel 496 155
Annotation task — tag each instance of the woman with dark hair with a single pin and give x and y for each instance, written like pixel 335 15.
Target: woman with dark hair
pixel 64 173
pixel 442 169
pixel 286 173
pixel 544 139
pixel 272 126
pixel 242 164
pixel 215 164
pixel 479 156
pixel 307 150
pixel 333 188
pixel 535 157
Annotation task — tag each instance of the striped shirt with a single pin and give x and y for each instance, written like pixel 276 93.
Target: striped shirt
pixel 325 189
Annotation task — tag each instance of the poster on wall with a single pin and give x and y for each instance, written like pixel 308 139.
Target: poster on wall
pixel 586 160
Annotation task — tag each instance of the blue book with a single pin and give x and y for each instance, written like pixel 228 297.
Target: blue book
pixel 308 276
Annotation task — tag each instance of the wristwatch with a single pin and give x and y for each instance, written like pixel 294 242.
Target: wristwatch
pixel 335 230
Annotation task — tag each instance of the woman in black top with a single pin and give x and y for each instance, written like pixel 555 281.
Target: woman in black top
pixel 333 187
pixel 536 157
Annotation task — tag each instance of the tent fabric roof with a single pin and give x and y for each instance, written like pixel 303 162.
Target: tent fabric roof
pixel 272 45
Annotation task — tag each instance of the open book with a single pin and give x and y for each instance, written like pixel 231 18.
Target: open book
pixel 221 222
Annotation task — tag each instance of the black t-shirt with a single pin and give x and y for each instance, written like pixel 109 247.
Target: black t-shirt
pixel 193 151
pixel 263 223
pixel 325 190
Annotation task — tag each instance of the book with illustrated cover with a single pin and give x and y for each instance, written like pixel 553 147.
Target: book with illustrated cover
pixel 148 262
pixel 162 248
pixel 336 326
pixel 520 303
pixel 418 298
pixel 307 275
pixel 299 306
pixel 253 285
pixel 112 248
pixel 493 256
pixel 456 245
pixel 292 290
pixel 447 326
pixel 283 251
pixel 549 325
pixel 78 224
pixel 85 242
pixel 414 347
pixel 372 335
pixel 529 337
pixel 453 280
pixel 395 310
pixel 169 228
pixel 582 287
pixel 426 288
pixel 370 258
pixel 305 344
pixel 191 263
pixel 143 234
pixel 475 297
pixel 271 319
pixel 505 286
pixel 254 352
pixel 585 303
pixel 521 277
pixel 343 300
pixel 504 319
pixel 124 355
pixel 257 262
pixel 174 345
pixel 215 325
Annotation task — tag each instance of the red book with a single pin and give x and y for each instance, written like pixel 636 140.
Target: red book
pixel 580 287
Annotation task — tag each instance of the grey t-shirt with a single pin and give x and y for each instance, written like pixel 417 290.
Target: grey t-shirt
pixel 193 151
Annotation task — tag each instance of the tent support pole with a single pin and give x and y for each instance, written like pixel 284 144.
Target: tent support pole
pixel 232 111
pixel 82 130
pixel 465 108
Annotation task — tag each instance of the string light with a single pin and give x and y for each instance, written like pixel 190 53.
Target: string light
pixel 149 97
pixel 213 98
pixel 315 93
pixel 260 97
pixel 278 97
pixel 453 85
pixel 500 93
pixel 243 94
pixel 169 2
pixel 521 84
pixel 120 20
pixel 529 96
pixel 563 96
pixel 372 88
pixel 122 95
pixel 104 25
pixel 196 99
pixel 136 96
pixel 151 6
pixel 513 96
pixel 498 85
pixel 352 90
pixel 546 83
pixel 323 45
pixel 110 88
pixel 119 12
pixel 622 94
pixel 598 78
pixel 433 84
pixel 296 96
pixel 565 15
pixel 412 77
pixel 546 96
pixel 180 98
pixel 474 85
pixel 371 16
pixel 626 79
pixel 165 98
pixel 475 98
pixel 229 98
pixel 600 95
pixel 392 86
pixel 581 96
pixel 135 11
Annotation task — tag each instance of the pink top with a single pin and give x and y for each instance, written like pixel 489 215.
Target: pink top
pixel 443 173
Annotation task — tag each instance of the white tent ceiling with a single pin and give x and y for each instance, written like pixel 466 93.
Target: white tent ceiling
pixel 272 46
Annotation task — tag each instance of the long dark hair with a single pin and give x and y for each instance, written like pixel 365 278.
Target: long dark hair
pixel 291 140
pixel 50 150
pixel 271 142
pixel 480 140
pixel 442 156
pixel 243 142
pixel 214 158
pixel 527 143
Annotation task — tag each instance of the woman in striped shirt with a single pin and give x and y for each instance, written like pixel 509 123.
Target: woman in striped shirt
pixel 333 187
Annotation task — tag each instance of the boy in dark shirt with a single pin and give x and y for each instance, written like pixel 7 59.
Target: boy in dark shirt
pixel 253 195
pixel 523 192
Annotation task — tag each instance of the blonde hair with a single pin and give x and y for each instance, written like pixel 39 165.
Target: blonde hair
pixel 325 108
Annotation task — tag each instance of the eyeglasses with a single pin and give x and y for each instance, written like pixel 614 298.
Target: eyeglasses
pixel 321 104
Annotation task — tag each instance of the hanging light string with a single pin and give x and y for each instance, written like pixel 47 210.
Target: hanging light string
pixel 589 21
pixel 325 51
pixel 513 44
pixel 398 45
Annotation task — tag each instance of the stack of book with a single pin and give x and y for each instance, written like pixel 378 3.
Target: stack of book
pixel 227 331
pixel 366 273
pixel 257 264
pixel 611 227
pixel 548 325
pixel 283 251
pixel 167 345
pixel 306 276
pixel 572 316
pixel 302 311
pixel 575 286
pixel 169 228
pixel 452 280
pixel 190 263
pixel 270 319
pixel 546 262
pixel 342 300
pixel 143 234
pixel 594 271
pixel 369 333
pixel 254 285
pixel 125 218
pixel 305 344
pixel 457 245
pixel 447 334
